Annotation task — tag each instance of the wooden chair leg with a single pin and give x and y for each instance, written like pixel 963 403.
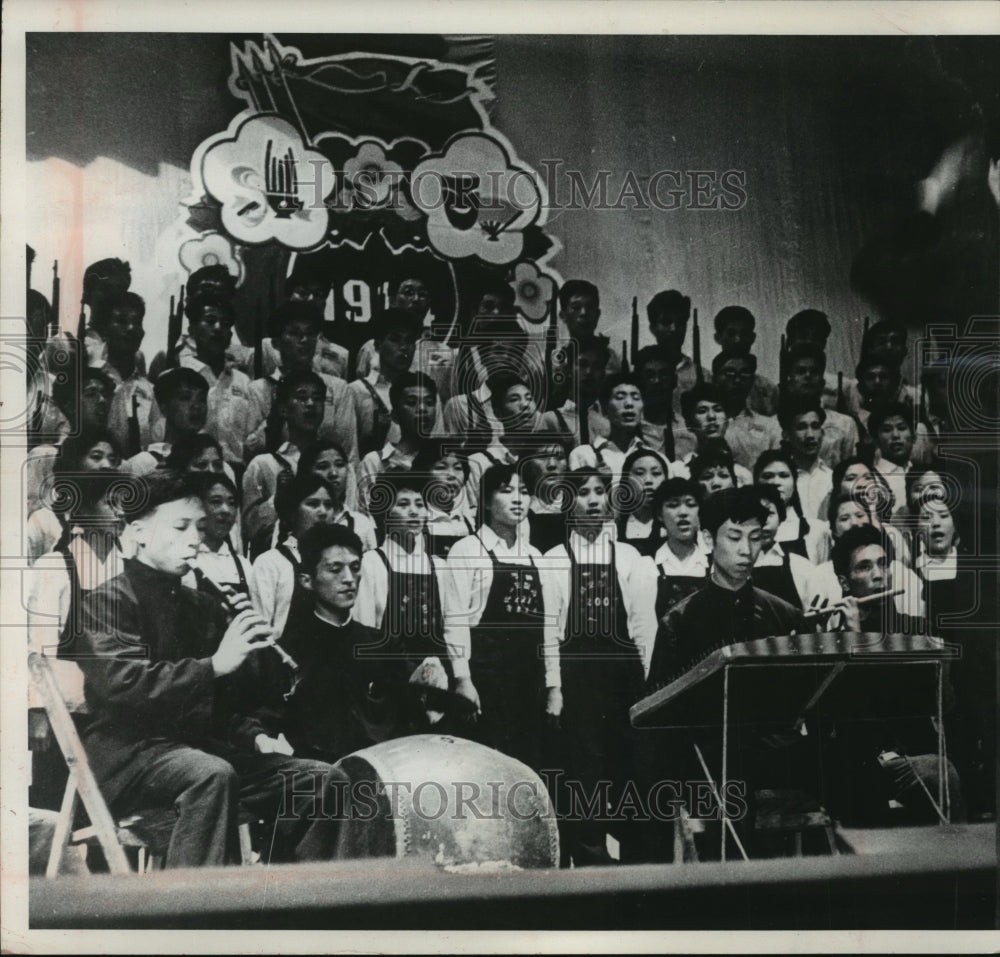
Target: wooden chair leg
pixel 64 825
pixel 246 849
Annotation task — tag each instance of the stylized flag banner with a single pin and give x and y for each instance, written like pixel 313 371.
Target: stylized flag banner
pixel 379 166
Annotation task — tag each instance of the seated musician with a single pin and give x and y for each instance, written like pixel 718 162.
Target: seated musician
pixel 450 517
pixel 173 686
pixel 893 760
pixel 728 608
pixel 706 418
pixel 353 679
pixel 181 411
pixel 682 560
pixel 850 511
pixel 413 401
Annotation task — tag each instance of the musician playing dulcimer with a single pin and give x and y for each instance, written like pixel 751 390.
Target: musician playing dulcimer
pixel 883 765
pixel 726 610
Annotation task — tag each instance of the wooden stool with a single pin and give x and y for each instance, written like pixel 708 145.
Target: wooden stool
pixel 781 812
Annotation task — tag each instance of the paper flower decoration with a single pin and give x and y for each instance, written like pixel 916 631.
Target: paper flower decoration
pixel 532 291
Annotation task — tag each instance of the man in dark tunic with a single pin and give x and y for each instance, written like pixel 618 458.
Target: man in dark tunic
pixel 172 690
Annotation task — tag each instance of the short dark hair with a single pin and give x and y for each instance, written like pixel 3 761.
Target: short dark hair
pixel 805 318
pixel 393 319
pixel 934 467
pixel 712 455
pixel 288 384
pixel 290 312
pixel 700 392
pixel 768 456
pixel 93 373
pixel 72 451
pixel 577 287
pixel 435 448
pixel 309 458
pixel 579 477
pixel 674 488
pixel 791 408
pixel 654 354
pixel 886 502
pixel 194 306
pixel 206 481
pixel 123 300
pixel 493 285
pixel 321 537
pixel 101 270
pixel 168 383
pixel 613 381
pixel 882 326
pixel 307 271
pixel 410 380
pixel 490 481
pixel 595 343
pixel 188 446
pixel 772 494
pixel 159 488
pixel 644 453
pixel 214 273
pixel 737 505
pixel 805 350
pixel 734 314
pixel 870 359
pixel 840 498
pixel 729 354
pixel 292 493
pixel 861 536
pixel 385 487
pixel 886 410
pixel 669 302
pixel 500 382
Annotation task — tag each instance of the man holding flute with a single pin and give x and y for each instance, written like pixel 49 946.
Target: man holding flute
pixel 173 681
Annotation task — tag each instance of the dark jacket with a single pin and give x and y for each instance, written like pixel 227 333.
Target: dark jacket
pixel 148 672
pixel 711 618
pixel 352 689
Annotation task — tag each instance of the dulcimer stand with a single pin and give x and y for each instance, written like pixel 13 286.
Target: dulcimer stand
pixel 855 676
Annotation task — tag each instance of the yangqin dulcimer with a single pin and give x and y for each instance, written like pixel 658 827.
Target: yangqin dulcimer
pixel 843 675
